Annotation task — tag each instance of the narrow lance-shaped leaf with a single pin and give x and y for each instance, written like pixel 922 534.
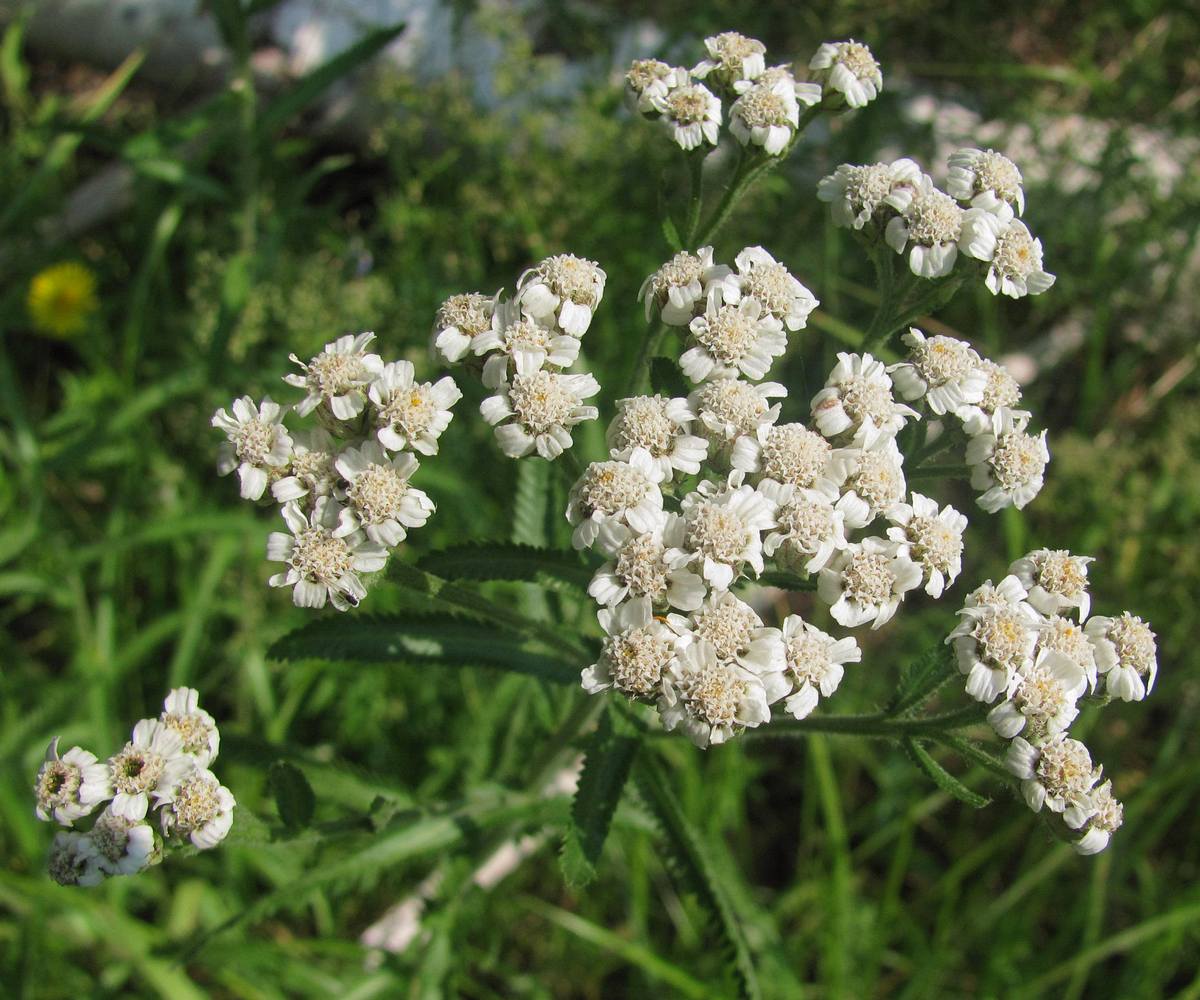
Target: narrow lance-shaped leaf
pixel 294 797
pixel 941 777
pixel 506 561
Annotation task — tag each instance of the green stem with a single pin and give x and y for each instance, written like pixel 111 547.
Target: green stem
pixel 878 726
pixel 696 198
pixel 885 275
pixel 745 174
pixel 939 472
pixel 639 374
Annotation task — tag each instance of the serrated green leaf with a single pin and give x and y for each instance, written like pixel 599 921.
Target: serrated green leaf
pixel 531 502
pixel 294 797
pixel 941 777
pixel 608 758
pixel 666 378
pixel 412 639
pixel 921 679
pixel 688 863
pixel 505 561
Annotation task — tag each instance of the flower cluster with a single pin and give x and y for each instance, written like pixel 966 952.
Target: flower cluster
pixel 162 773
pixel 1028 645
pixel 763 102
pixel 344 485
pixel 529 342
pixel 975 216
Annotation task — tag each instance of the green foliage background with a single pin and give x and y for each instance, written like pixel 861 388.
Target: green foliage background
pixel 127 566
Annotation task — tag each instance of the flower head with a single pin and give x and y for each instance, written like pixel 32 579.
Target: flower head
pixel 945 372
pixel 1107 815
pixel 874 474
pixel 1008 464
pixel 691 113
pixel 722 531
pixel 122 845
pixel 517 340
pixel 710 698
pixel 459 319
pixel 71 786
pixel 338 377
pixel 411 414
pixel 866 581
pixel 150 762
pixel 762 278
pixel 784 454
pixel 680 287
pixel 1043 701
pixel 930 537
pixel 995 639
pixel 662 428
pixel 309 470
pixel 638 566
pixel 766 115
pixel 811 524
pixel 1055 579
pixel 1000 391
pixel 1012 253
pixel 732 58
pixel 625 492
pixel 857 401
pixel 73 860
pixel 848 69
pixel 565 289
pixel 196 728
pixel 379 500
pixel 727 409
pixel 930 225
pixel 857 194
pixel 815 663
pixel 636 651
pixel 986 179
pixel 256 444
pixel 535 412
pixel 1126 653
pixel 62 298
pixel 1057 774
pixel 199 808
pixel 732 339
pixel 648 79
pixel 737 633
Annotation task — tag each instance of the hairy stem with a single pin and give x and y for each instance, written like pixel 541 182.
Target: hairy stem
pixel 879 726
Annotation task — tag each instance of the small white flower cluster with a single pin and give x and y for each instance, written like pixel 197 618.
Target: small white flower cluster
pixel 1028 644
pixel 764 102
pixel 529 342
pixel 164 767
pixel 343 486
pixel 974 216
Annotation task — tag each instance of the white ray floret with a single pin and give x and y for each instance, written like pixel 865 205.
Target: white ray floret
pixel 196 728
pixel 379 500
pixel 338 377
pixel 151 761
pixel 761 277
pixel 459 320
pixel 1067 636
pixel 310 471
pixel 709 698
pixel 411 414
pixel 1126 653
pixel 516 341
pixel 534 413
pixel 1058 774
pixel 722 531
pixel 565 289
pixel 1055 579
pixel 804 92
pixel 662 427
pixel 1012 253
pixel 847 68
pixel 732 339
pixel 737 633
pixel 727 409
pixel 322 566
pixel 995 639
pixel 1008 464
pixel 986 179
pixel 857 194
pixel 691 114
pixel 857 401
pixel 866 581
pixel 679 289
pixel 122 846
pixel 623 492
pixel 1044 701
pixel 811 523
pixel 71 786
pixel 929 228
pixel 638 566
pixel 930 536
pixel 945 372
pixel 257 444
pixel 635 653
pixel 1107 815
pixel 732 59
pixel 199 808
pixel 815 664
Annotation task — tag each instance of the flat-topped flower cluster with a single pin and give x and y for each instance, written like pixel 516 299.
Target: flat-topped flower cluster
pixel 163 773
pixel 1028 645
pixel 343 486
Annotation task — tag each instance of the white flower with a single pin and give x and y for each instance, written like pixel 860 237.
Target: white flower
pixel 732 58
pixel 1001 391
pixel 662 427
pixel 866 581
pixel 857 400
pixel 1043 702
pixel 1055 579
pixel 73 860
pixel 338 377
pixel 624 492
pixel 1107 815
pixel 945 372
pixel 1063 635
pixel 995 639
pixel 648 79
pixel 71 786
pixel 722 531
pixel 636 650
pixel 736 633
pixel 814 663
pixel 379 499
pixel 874 474
pixel 1005 243
pixel 524 342
pixel 151 761
pixel 930 537
pixel 562 288
pixel 196 728
pixel 1126 654
pixel 257 444
pixel 459 319
pixel 1058 774
pixel 766 115
pixel 856 193
pixel 123 845
pixel 729 408
pixel 1007 463
pixel 731 339
pixel 986 179
pixel 199 808
pixel 691 113
pixel 807 94
pixel 535 412
pixel 638 566
pixel 310 471
pixel 785 454
pixel 761 277
pixel 712 699
pixel 679 288
pixel 321 565
pixel 812 523
pixel 411 414
pixel 932 224
pixel 848 68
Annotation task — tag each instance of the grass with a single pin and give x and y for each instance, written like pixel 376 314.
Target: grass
pixel 127 566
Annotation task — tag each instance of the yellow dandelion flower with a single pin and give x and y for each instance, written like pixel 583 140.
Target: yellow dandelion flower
pixel 62 298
